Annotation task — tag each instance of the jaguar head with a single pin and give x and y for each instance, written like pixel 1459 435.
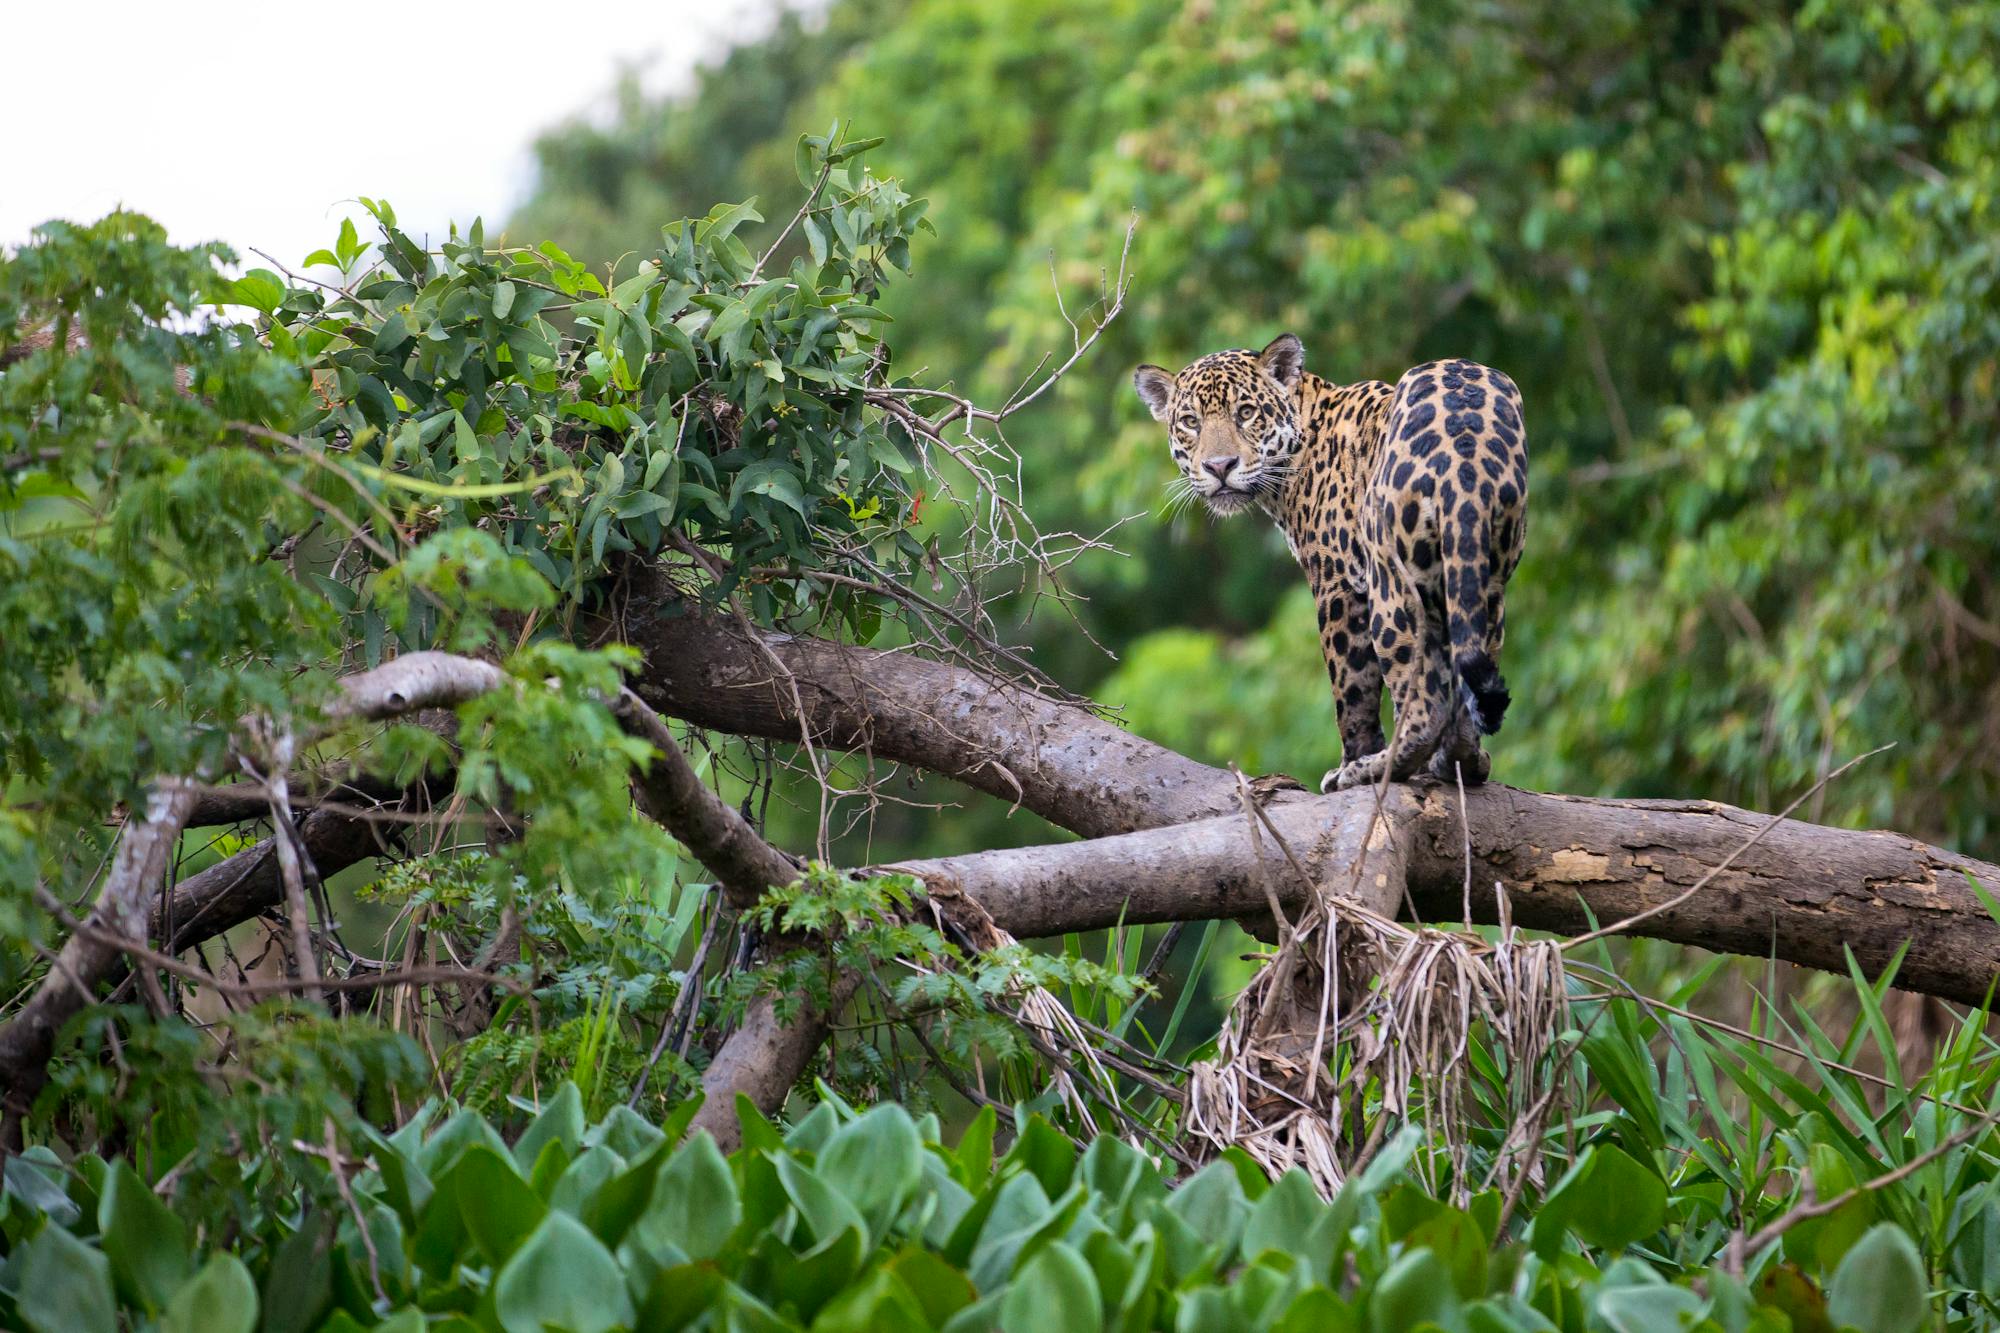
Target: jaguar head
pixel 1232 420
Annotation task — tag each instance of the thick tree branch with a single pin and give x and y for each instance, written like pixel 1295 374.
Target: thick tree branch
pixel 144 851
pixel 1804 893
pixel 671 794
pixel 1065 763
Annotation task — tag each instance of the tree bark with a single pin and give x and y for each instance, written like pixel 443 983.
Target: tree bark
pixel 1062 761
pixel 145 849
pixel 672 796
pixel 1804 893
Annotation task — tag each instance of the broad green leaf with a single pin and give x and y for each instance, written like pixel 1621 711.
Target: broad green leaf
pixel 1607 1199
pixel 878 1302
pixel 875 1162
pixel 499 1208
pixel 825 1210
pixel 1045 1152
pixel 1211 1202
pixel 694 1205
pixel 941 1290
pixel 562 1277
pixel 62 1285
pixel 145 1242
pixel 1880 1285
pixel 560 1121
pixel 1415 1290
pixel 1055 1292
pixel 1649 1309
pixel 35 1177
pixel 1283 1217
pixel 220 1298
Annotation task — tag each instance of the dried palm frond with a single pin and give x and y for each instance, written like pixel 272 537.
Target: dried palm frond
pixel 1350 1001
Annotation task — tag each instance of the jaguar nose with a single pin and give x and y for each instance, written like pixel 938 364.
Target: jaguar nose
pixel 1220 468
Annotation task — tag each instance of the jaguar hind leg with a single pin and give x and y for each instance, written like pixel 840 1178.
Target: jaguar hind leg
pixel 1458 753
pixel 1411 646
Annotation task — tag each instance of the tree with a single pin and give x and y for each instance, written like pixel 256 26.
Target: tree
pixel 540 522
pixel 545 643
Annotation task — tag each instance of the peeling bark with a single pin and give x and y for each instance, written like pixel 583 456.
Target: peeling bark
pixel 1802 894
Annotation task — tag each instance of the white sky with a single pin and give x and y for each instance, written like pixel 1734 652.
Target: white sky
pixel 253 123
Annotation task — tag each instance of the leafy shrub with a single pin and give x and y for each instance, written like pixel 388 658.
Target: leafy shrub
pixel 856 1220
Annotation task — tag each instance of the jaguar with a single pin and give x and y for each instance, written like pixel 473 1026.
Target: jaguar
pixel 1405 505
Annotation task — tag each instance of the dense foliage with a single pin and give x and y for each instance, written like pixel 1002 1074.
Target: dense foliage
pixel 864 1219
pixel 1739 258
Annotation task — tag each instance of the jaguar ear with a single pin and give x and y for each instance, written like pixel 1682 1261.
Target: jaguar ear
pixel 1284 360
pixel 1155 387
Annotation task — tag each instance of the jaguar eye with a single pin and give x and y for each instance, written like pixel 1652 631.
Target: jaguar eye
pixel 1246 414
pixel 1190 424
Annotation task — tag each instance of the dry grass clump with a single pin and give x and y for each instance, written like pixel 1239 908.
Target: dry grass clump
pixel 1354 1013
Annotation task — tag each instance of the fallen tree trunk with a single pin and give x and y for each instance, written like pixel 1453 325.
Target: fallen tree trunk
pixel 1803 893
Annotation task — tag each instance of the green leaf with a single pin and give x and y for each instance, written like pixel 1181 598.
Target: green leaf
pixel 1055 1292
pixel 503 299
pixel 1213 1206
pixel 1650 1308
pixel 940 1289
pixel 825 1211
pixel 975 1149
pixel 393 333
pixel 259 288
pixel 1045 1152
pixel 1286 1213
pixel 1880 1286
pixel 876 1162
pixel 879 1302
pixel 499 1208
pixel 725 219
pixel 299 1281
pixel 1415 1290
pixel 35 1177
pixel 677 1296
pixel 855 149
pixel 694 1205
pixel 562 1277
pixel 145 1242
pixel 778 482
pixel 561 1121
pixel 810 1280
pixel 1608 1199
pixel 63 1286
pixel 220 1298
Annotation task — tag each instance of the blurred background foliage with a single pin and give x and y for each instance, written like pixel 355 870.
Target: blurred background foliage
pixel 1740 257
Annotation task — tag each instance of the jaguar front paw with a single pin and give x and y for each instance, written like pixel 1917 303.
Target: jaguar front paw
pixel 1360 773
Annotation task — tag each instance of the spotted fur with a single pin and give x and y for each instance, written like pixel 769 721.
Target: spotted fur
pixel 1406 507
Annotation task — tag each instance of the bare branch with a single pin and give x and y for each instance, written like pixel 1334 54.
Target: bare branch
pixel 721 839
